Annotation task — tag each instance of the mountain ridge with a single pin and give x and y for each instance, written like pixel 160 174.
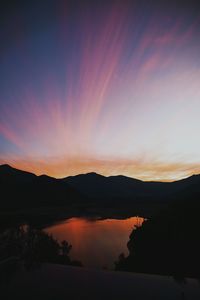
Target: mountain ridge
pixel 94 185
pixel 9 167
pixel 90 193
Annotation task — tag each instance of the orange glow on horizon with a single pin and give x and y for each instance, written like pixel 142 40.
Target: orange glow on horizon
pixel 142 170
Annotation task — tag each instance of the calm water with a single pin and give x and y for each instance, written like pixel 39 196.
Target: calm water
pixel 96 243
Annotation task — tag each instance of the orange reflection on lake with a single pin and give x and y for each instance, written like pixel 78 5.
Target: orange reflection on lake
pixel 96 243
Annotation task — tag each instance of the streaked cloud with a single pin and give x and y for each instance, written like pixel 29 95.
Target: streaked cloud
pixel 115 91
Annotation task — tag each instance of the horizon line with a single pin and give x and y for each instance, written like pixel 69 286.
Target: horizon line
pixel 99 174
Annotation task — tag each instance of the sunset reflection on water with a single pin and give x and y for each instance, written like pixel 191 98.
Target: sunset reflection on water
pixel 96 243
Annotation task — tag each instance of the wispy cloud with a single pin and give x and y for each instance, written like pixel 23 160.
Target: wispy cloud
pixel 121 83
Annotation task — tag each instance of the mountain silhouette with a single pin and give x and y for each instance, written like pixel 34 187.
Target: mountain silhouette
pixel 12 174
pixel 23 189
pixel 95 185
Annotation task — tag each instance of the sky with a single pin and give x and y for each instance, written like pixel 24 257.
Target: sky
pixel 111 87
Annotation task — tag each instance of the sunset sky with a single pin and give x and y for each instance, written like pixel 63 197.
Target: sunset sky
pixel 111 87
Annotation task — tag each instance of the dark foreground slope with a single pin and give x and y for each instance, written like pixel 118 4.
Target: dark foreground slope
pixel 169 243
pixel 65 282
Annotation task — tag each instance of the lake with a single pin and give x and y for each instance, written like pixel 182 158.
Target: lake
pixel 96 243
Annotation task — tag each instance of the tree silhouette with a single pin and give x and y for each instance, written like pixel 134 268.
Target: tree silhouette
pixel 65 247
pixel 33 246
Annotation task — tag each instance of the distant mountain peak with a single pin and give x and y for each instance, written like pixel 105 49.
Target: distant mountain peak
pixel 87 175
pixel 7 170
pixel 6 166
pixel 93 174
pixel 45 176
